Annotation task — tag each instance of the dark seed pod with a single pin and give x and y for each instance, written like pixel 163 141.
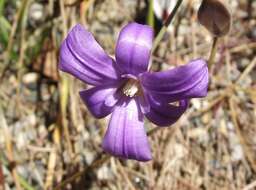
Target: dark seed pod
pixel 213 15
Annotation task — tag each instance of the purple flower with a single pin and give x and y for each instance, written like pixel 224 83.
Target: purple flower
pixel 125 87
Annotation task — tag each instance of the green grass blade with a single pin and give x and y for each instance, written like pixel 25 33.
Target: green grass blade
pixel 2 2
pixel 25 184
pixel 4 31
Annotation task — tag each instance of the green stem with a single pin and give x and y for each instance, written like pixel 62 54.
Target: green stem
pixel 158 38
pixel 150 16
pixel 2 3
pixel 213 52
pixel 168 21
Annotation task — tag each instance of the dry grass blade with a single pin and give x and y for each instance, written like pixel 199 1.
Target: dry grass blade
pixel 11 38
pixel 97 163
pixel 1 178
pixel 50 171
pixel 9 148
pixel 251 186
pixel 125 175
pixel 247 70
pixel 64 88
pixel 246 150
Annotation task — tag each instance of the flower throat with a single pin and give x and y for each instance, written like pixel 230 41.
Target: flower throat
pixel 131 88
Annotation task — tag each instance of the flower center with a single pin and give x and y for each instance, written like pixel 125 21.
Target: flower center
pixel 131 88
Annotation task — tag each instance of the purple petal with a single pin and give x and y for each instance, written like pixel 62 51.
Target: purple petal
pixel 144 104
pixel 82 56
pixel 164 114
pixel 125 136
pixel 184 82
pixel 100 100
pixel 133 48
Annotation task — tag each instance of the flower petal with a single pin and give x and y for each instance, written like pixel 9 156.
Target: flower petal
pixel 82 56
pixel 125 136
pixel 100 100
pixel 184 82
pixel 165 114
pixel 133 48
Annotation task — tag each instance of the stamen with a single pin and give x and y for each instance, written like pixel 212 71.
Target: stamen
pixel 131 88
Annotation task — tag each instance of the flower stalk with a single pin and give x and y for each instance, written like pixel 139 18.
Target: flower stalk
pixel 213 52
pixel 216 18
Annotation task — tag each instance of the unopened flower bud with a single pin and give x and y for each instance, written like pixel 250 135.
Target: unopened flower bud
pixel 213 15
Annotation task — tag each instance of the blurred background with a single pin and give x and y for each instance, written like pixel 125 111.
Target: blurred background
pixel 48 136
